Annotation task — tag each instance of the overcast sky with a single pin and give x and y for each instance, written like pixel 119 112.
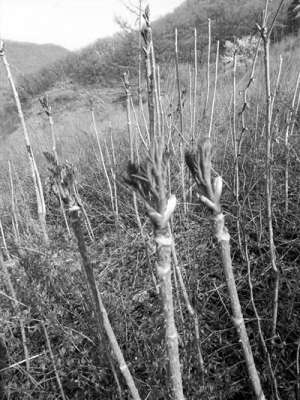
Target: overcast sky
pixel 70 23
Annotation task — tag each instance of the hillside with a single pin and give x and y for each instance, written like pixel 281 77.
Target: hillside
pixel 31 57
pixel 168 242
pixel 104 61
pixel 24 59
pixel 230 19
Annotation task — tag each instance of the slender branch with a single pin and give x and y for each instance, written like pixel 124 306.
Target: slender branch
pixel 208 67
pixel 34 170
pixel 215 90
pixel 199 164
pixel 260 331
pixel 269 171
pixel 179 109
pixel 58 380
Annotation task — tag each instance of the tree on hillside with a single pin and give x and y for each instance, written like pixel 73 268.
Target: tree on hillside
pixel 293 16
pixel 104 61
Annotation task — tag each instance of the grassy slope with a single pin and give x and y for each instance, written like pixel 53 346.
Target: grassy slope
pixel 104 61
pixel 26 58
pixel 123 270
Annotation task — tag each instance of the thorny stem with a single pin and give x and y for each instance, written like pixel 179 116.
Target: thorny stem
pixel 260 331
pixel 179 108
pixel 208 67
pixel 191 311
pixel 161 111
pixel 48 111
pixel 103 161
pixel 102 318
pixel 63 179
pixel 149 180
pixel 113 174
pixel 200 166
pixel 276 84
pixel 140 57
pixel 236 160
pixel 195 85
pixel 34 170
pixel 265 35
pixel 163 268
pixel 58 380
pixel 215 90
pixel 156 92
pixel 223 238
pixel 191 102
pixel 147 36
pixel 249 83
pixel 131 143
pixel 15 222
pixel 138 126
pixel 289 131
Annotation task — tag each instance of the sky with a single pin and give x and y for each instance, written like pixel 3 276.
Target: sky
pixel 69 23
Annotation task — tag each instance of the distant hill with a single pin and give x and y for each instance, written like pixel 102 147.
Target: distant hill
pixel 104 61
pixel 230 19
pixel 24 58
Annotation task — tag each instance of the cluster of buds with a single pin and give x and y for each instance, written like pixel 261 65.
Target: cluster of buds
pixel 45 105
pixel 63 182
pixel 146 32
pixel 199 163
pixel 149 181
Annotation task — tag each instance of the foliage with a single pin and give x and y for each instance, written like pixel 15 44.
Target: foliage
pixel 27 58
pixel 244 50
pixel 28 63
pixel 104 61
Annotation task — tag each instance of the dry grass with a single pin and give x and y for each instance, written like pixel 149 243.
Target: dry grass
pixel 48 281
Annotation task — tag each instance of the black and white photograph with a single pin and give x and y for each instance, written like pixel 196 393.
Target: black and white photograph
pixel 149 199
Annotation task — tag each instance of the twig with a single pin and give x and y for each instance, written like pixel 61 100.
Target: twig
pixel 208 67
pixel 15 365
pixel 195 86
pixel 287 147
pixel 34 170
pixel 179 108
pixel 53 362
pixel 215 90
pixel 260 332
pixel 265 35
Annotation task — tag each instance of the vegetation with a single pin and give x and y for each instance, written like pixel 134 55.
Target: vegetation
pixel 25 59
pixel 293 16
pixel 106 60
pixel 131 296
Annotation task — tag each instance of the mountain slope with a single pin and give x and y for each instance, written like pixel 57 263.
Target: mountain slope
pixel 29 57
pixel 24 58
pixel 104 61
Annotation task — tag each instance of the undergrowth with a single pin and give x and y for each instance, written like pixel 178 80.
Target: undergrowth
pixel 50 284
